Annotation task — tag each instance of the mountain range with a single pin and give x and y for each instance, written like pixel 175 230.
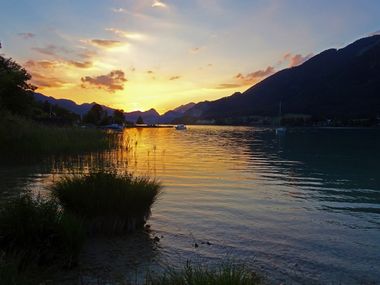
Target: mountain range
pixel 150 117
pixel 337 83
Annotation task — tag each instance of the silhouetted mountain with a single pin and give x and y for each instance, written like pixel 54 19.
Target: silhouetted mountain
pixel 184 108
pixel 70 105
pixel 343 83
pixel 150 117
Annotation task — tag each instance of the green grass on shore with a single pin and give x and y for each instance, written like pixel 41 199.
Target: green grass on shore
pixel 20 136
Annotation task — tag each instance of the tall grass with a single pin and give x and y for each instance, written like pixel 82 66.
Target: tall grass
pixel 37 231
pixel 109 203
pixel 226 274
pixel 20 136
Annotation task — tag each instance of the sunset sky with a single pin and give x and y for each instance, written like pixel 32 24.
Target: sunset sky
pixel 136 55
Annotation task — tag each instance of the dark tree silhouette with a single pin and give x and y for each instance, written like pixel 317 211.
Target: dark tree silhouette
pixel 139 120
pixel 96 115
pixel 118 117
pixel 16 94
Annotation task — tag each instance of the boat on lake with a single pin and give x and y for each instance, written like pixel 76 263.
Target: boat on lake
pixel 114 127
pixel 280 131
pixel 180 127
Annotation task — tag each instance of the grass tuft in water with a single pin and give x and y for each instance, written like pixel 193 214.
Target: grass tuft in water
pixel 37 231
pixel 110 203
pixel 227 274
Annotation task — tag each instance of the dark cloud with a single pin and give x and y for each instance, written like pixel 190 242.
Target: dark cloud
pixel 150 72
pixel 110 82
pixel 106 43
pixel 296 59
pixel 175 77
pixel 27 36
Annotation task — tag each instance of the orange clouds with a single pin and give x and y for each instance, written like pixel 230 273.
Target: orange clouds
pixel 46 64
pixel 296 59
pixel 256 75
pixel 41 81
pixel 41 63
pixel 106 43
pixel 110 82
pixel 51 50
pixel 248 79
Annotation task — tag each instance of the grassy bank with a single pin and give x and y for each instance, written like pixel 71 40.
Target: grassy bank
pixel 107 202
pixel 20 136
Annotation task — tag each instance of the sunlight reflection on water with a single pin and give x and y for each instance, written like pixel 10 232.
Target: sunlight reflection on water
pixel 302 208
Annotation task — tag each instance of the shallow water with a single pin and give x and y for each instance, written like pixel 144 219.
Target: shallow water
pixel 302 208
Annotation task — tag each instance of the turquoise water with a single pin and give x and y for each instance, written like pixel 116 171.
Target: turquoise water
pixel 302 209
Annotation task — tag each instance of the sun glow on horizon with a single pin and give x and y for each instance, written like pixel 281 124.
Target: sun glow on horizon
pixel 162 54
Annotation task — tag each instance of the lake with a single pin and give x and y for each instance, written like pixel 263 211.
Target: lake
pixel 301 208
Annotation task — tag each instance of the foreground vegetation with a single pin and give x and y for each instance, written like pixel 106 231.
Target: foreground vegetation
pixel 225 274
pixel 29 127
pixel 21 136
pixel 36 231
pixel 108 202
pixel 52 231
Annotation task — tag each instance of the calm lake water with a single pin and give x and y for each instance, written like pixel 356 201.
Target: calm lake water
pixel 301 209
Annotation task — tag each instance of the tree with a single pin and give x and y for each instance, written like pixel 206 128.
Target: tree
pixel 139 120
pixel 16 94
pixel 96 115
pixel 118 117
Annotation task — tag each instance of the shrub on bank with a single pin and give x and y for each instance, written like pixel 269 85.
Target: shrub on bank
pixel 37 231
pixel 108 202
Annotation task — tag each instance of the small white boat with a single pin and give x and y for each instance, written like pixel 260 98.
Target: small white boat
pixel 114 127
pixel 180 127
pixel 280 131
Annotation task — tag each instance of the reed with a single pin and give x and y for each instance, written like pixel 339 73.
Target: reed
pixel 110 203
pixel 38 232
pixel 226 274
pixel 20 136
